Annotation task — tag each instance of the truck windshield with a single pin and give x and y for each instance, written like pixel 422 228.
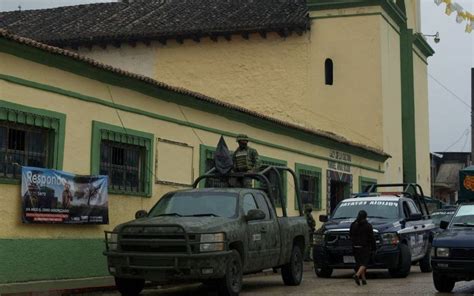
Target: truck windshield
pixel 375 209
pixel 197 204
pixel 464 217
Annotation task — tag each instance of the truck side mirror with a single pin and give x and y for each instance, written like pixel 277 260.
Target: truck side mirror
pixel 443 224
pixel 323 218
pixel 140 214
pixel 255 214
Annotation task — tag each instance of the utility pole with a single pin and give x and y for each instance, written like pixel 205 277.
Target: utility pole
pixel 472 116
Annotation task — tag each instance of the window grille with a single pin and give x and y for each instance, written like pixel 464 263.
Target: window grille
pixel 123 159
pixel 310 182
pixel 23 145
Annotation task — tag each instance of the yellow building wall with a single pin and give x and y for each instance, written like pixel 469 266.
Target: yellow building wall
pixel 80 115
pixel 423 165
pixel 391 95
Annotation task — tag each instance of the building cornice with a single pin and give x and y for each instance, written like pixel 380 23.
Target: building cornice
pixel 420 42
pixel 387 5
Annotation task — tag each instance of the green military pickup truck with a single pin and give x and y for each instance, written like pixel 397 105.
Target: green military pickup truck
pixel 212 235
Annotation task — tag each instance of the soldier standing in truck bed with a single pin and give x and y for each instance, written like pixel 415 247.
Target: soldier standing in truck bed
pixel 245 159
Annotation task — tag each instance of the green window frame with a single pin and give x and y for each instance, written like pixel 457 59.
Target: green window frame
pixel 120 135
pixel 54 122
pixel 265 160
pixel 312 171
pixel 364 182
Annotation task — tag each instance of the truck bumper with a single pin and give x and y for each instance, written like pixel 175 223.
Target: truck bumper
pixel 459 270
pixel 168 267
pixel 385 257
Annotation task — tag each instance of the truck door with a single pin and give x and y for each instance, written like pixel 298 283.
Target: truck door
pixel 417 232
pixel 271 232
pixel 255 233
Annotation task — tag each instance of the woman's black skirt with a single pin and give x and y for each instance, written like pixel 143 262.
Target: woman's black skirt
pixel 362 255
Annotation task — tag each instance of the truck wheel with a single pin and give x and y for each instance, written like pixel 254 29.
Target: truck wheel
pixel 129 287
pixel 443 283
pixel 292 272
pixel 425 263
pixel 231 283
pixel 322 271
pixel 404 266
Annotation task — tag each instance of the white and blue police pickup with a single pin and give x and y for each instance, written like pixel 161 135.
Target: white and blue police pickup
pixel 402 228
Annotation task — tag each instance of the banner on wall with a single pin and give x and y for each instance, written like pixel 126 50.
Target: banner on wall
pixel 57 197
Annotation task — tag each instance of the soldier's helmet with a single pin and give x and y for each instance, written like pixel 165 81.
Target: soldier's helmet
pixel 308 208
pixel 242 137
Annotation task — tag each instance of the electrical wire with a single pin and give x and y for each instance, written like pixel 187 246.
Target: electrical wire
pixel 464 133
pixel 450 91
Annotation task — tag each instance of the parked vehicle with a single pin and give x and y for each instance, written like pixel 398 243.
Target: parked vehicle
pixel 444 214
pixel 402 229
pixel 212 235
pixel 453 250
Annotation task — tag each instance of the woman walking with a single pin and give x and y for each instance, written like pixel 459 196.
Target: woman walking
pixel 363 243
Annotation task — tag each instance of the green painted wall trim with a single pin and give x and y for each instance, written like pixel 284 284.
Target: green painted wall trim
pixel 87 70
pixel 420 43
pixel 387 5
pixel 408 105
pixel 317 172
pixel 147 141
pixel 365 180
pixel 54 121
pixel 107 103
pixel 25 260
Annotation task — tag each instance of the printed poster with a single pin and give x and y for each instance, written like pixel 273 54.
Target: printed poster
pixel 57 197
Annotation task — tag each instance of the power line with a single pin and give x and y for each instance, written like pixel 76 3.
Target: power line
pixel 464 134
pixel 450 91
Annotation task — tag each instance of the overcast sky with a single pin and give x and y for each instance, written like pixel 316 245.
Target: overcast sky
pixel 449 70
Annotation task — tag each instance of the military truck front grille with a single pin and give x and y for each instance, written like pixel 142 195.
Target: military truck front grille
pixel 462 253
pixel 163 239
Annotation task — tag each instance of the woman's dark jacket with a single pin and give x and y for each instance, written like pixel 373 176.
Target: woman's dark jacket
pixel 362 234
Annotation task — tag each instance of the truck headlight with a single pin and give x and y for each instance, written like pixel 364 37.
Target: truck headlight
pixel 112 241
pixel 442 252
pixel 212 242
pixel 390 238
pixel 318 239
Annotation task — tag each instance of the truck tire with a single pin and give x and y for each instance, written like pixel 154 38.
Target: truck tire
pixel 129 287
pixel 425 263
pixel 443 283
pixel 404 266
pixel 292 272
pixel 231 283
pixel 322 271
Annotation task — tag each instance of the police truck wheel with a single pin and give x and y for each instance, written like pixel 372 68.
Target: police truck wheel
pixel 292 272
pixel 231 284
pixel 443 283
pixel 425 263
pixel 129 287
pixel 322 271
pixel 404 264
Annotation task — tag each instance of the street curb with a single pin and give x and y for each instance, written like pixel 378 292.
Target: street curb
pixel 84 285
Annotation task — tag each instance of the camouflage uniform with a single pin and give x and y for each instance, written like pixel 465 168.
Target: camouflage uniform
pixel 311 227
pixel 245 159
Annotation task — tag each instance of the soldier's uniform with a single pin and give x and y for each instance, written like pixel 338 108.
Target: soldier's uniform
pixel 245 159
pixel 312 227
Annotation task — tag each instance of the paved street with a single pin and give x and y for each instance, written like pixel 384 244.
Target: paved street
pixel 379 283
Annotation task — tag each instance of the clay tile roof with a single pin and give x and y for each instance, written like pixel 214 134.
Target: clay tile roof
pixel 154 19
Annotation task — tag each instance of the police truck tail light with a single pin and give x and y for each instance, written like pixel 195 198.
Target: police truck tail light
pixel 390 238
pixel 442 252
pixel 212 242
pixel 112 241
